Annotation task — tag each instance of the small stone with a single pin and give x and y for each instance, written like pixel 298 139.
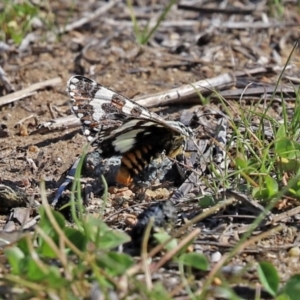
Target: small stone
pixel 190 249
pixel 130 220
pixel 23 131
pixel 150 194
pixel 217 281
pixel 215 257
pixel 163 193
pixel 33 148
pixel 160 193
pixel 294 252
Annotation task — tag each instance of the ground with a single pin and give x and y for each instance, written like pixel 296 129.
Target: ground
pixel 188 46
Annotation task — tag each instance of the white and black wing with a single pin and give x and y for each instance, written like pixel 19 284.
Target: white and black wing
pixel 118 126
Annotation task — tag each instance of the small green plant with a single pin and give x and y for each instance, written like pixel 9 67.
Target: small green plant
pixel 268 277
pixel 143 35
pixel 67 260
pixel 270 280
pixel 64 256
pixel 15 20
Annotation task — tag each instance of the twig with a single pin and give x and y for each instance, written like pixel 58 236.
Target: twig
pixel 51 111
pixel 261 90
pixel 292 79
pixel 226 11
pixel 260 237
pixel 29 90
pixel 255 25
pixel 255 207
pixel 100 11
pixel 33 116
pixel 189 92
pixel 62 123
pixel 287 214
pixel 164 24
pixel 217 25
pixel 254 249
pixel 258 70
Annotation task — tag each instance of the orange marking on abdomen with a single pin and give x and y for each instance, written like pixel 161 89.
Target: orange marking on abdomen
pixel 138 154
pixel 142 161
pixel 132 163
pixel 124 177
pixel 127 162
pixel 133 159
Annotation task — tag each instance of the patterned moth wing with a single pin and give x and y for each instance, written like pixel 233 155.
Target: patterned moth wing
pixel 118 126
pixel 139 141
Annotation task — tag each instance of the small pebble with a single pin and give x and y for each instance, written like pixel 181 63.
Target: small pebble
pixel 217 281
pixel 23 131
pixel 33 149
pixel 215 257
pixel 130 220
pixel 294 252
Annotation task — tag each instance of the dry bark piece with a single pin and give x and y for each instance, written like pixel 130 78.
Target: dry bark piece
pixel 62 123
pixel 260 90
pixel 98 12
pixel 9 226
pixel 228 10
pixel 21 215
pixel 29 91
pixel 31 222
pixel 188 93
pixel 256 25
pixel 7 238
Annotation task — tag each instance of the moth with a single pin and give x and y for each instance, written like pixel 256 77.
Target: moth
pixel 118 126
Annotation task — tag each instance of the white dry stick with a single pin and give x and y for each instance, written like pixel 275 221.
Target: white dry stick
pixel 29 90
pixel 98 12
pixel 62 123
pixel 188 93
pixel 164 24
pixel 256 25
pixel 260 90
